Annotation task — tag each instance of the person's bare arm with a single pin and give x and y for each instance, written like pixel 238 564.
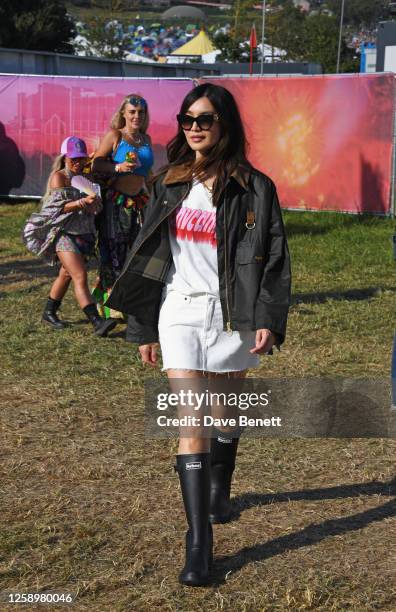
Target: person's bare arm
pixel 59 181
pixel 101 162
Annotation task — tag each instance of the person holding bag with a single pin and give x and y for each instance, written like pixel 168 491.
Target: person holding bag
pixel 64 233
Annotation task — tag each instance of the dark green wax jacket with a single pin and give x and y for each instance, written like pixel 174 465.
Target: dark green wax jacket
pixel 252 253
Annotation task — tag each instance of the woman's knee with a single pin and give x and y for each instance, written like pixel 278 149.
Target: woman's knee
pixel 194 445
pixel 80 277
pixel 64 274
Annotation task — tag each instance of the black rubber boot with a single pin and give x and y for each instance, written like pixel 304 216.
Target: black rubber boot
pixel 222 453
pixel 194 475
pixel 100 325
pixel 49 314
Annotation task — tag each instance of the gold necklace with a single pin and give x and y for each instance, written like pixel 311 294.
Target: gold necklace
pixel 208 189
pixel 132 136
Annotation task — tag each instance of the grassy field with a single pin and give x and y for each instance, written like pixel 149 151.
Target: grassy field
pixel 91 507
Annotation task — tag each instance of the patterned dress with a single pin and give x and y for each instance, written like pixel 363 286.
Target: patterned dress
pixel 52 229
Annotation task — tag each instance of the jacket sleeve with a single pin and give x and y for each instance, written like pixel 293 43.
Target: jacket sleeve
pixel 140 333
pixel 273 299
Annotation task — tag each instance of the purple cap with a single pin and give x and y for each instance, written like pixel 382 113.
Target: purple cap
pixel 74 147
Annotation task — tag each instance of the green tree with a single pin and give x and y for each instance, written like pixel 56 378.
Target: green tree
pixel 109 5
pixel 104 39
pixel 359 13
pixel 233 49
pixel 319 43
pixel 42 25
pixel 239 14
pixel 309 38
pixel 284 30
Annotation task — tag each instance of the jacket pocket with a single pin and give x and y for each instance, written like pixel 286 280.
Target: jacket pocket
pixel 249 253
pixel 249 266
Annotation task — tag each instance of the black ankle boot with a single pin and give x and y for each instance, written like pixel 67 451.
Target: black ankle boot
pixel 223 452
pixel 194 475
pixel 49 314
pixel 101 326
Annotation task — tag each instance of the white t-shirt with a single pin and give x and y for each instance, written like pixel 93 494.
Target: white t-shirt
pixel 192 235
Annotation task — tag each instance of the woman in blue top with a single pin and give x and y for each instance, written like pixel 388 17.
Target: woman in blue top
pixel 125 154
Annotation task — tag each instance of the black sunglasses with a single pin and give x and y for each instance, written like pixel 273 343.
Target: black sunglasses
pixel 204 121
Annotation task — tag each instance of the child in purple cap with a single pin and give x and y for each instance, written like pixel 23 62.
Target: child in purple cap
pixel 64 233
pixel 74 148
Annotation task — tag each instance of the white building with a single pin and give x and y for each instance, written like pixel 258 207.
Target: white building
pixel 302 4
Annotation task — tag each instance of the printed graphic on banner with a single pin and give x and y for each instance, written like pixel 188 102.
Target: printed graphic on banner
pixel 37 113
pixel 326 142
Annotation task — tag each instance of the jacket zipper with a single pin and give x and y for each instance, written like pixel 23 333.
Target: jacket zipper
pixel 229 328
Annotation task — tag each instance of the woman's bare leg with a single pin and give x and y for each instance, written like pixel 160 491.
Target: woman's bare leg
pixel 60 285
pixel 199 443
pixel 193 444
pixel 74 265
pixel 218 410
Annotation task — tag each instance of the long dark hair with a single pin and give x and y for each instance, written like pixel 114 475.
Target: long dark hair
pixel 228 153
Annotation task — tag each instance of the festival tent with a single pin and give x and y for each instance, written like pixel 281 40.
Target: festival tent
pixel 199 45
pixel 136 57
pixel 271 53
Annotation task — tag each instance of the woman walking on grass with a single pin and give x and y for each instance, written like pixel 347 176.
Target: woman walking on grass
pixel 125 157
pixel 64 233
pixel 209 277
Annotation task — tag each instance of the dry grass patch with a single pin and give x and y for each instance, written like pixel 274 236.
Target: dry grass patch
pixel 90 506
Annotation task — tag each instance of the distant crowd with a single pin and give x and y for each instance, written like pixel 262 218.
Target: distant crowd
pixel 151 41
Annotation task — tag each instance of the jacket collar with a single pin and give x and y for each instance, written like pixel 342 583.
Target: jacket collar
pixel 182 174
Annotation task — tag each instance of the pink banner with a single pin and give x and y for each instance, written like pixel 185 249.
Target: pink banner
pixel 325 141
pixel 37 113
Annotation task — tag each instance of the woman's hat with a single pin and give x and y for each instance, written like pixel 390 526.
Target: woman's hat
pixel 74 147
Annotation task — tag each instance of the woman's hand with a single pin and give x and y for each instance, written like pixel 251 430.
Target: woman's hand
pixel 126 166
pixel 90 200
pixel 148 353
pixel 265 340
pixel 87 205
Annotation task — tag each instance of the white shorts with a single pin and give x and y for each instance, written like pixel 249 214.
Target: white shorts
pixel 192 337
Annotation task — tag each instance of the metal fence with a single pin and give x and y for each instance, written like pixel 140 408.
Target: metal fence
pixel 22 61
